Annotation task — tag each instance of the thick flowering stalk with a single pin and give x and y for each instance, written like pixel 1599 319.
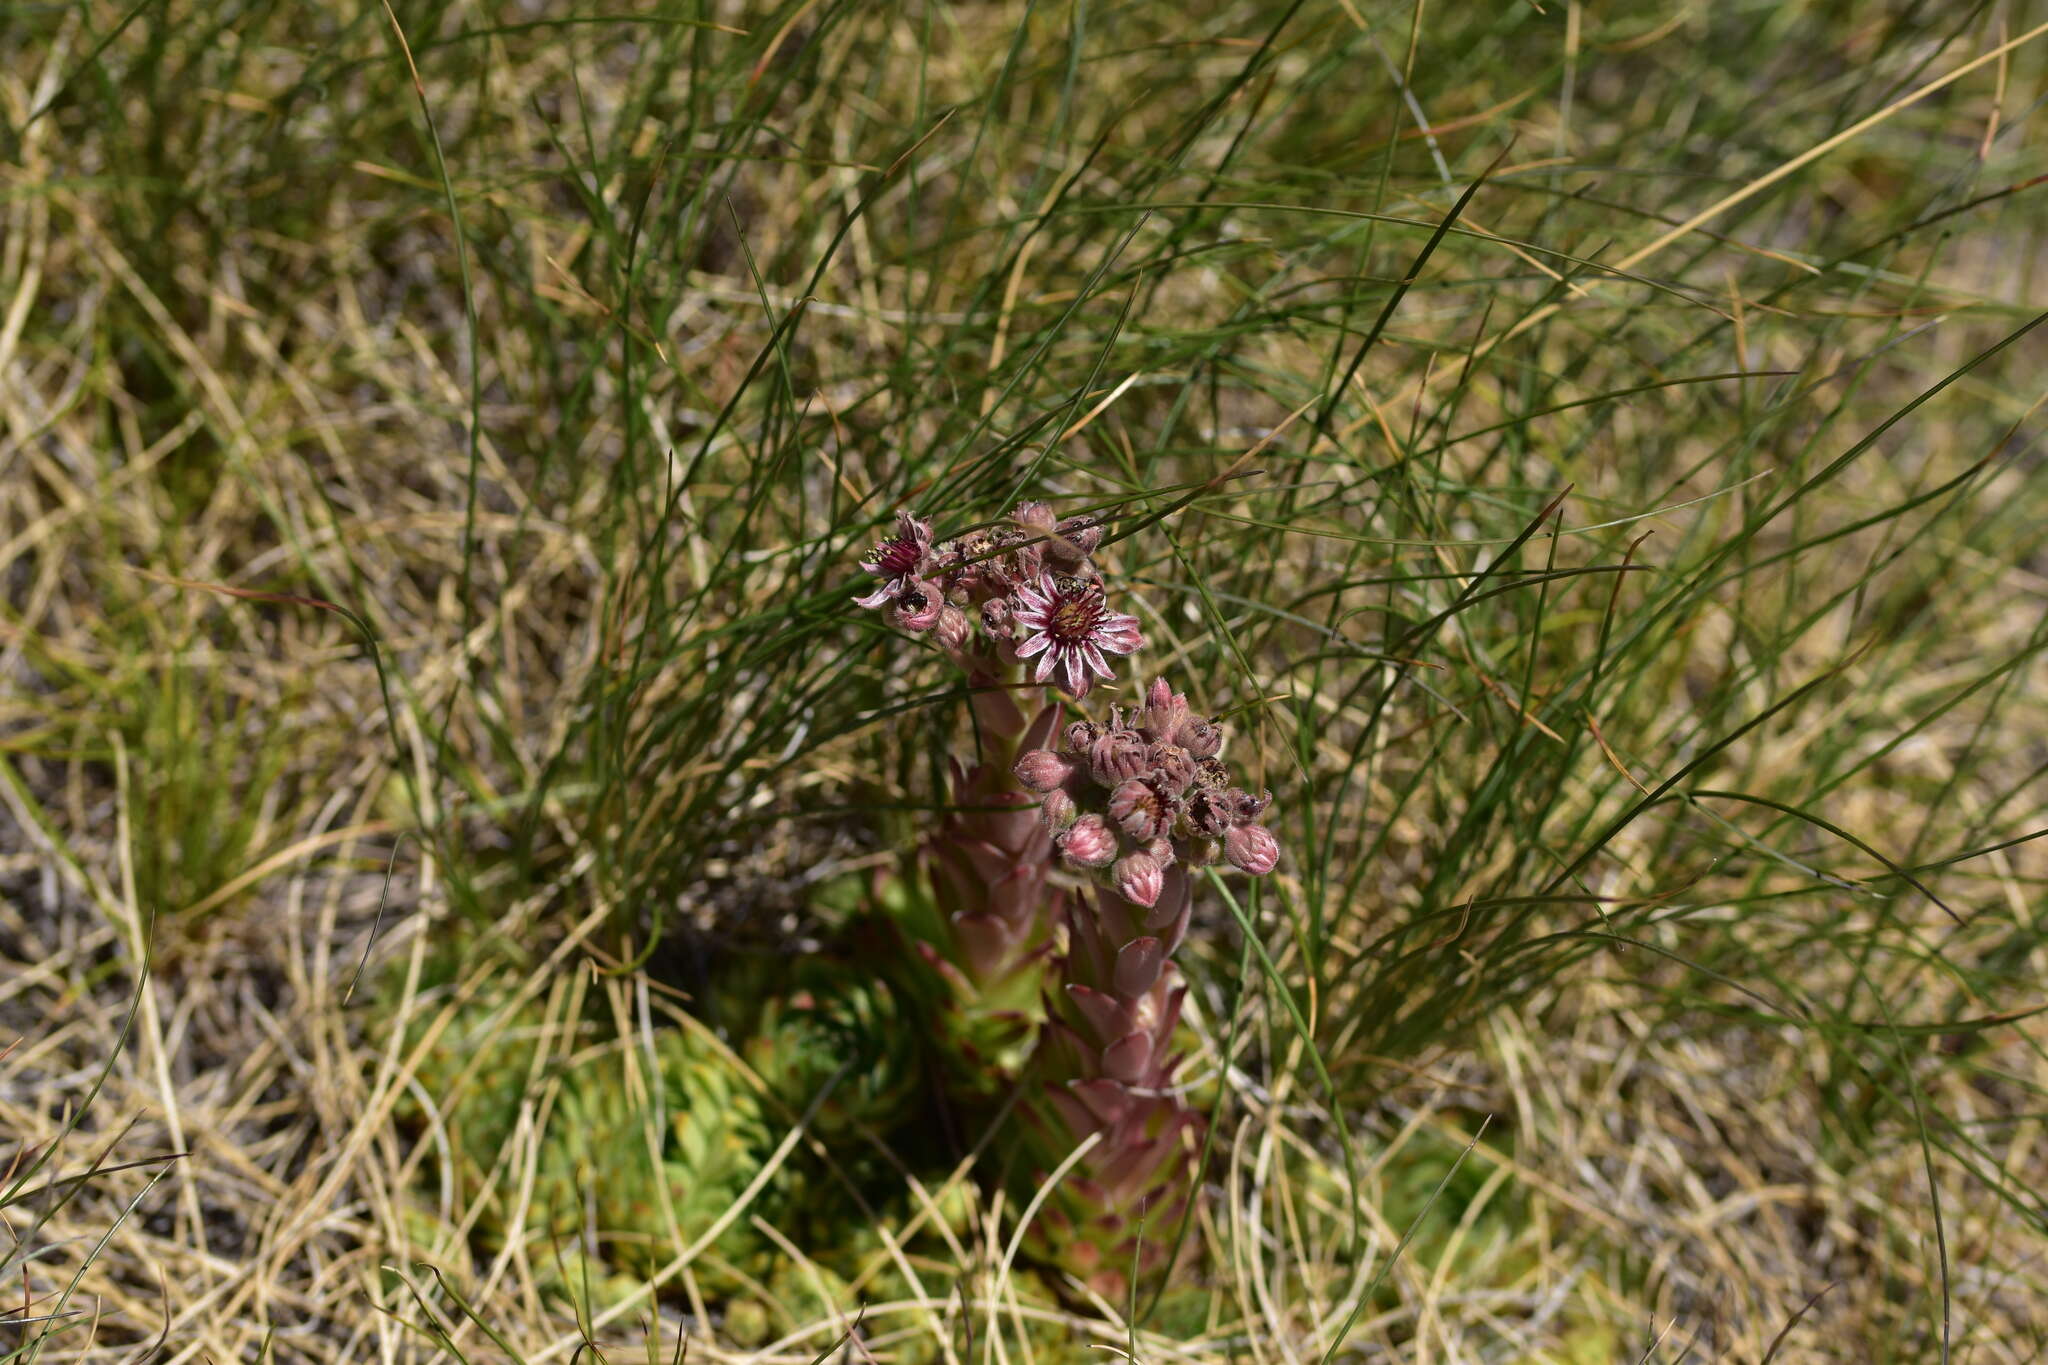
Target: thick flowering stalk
pixel 1021 595
pixel 989 865
pixel 1139 804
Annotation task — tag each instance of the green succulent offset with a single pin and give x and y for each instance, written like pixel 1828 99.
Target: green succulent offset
pixel 606 1157
pixel 605 1154
pixel 835 1046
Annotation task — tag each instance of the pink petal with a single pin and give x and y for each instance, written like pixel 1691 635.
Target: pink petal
pixel 891 588
pixel 1095 660
pixel 1036 644
pixel 1119 634
pixel 1046 662
pixel 1077 674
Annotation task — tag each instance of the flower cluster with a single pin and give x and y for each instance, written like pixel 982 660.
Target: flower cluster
pixel 1027 590
pixel 1144 792
pixel 1136 804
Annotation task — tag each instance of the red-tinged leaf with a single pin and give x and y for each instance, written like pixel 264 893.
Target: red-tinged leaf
pixel 1138 964
pixel 1128 1058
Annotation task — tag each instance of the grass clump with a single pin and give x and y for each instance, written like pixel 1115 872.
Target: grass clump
pixel 1590 455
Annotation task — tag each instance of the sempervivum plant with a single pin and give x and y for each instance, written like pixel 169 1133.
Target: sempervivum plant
pixel 600 1156
pixel 625 1153
pixel 829 1043
pixel 1139 802
pixel 1127 808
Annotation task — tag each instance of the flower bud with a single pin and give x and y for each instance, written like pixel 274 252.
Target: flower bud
pixel 1068 553
pixel 919 606
pixel 1164 712
pixel 1172 767
pixel 1160 851
pixel 1088 842
pixel 1080 737
pixel 1200 737
pixel 1139 878
pixel 1251 848
pixel 1057 810
pixel 1035 517
pixel 1140 809
pixel 1117 757
pixel 995 619
pixel 1041 770
pixel 952 629
pixel 1083 533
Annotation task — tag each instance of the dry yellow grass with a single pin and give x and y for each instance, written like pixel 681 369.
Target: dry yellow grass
pixel 237 390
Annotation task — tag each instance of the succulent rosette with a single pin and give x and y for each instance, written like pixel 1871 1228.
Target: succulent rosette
pixel 636 1142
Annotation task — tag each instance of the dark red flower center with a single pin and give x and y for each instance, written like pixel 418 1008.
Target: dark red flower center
pixel 895 558
pixel 1076 610
pixel 1073 619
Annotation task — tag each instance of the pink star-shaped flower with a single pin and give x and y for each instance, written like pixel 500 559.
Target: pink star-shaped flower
pixel 897 561
pixel 1067 626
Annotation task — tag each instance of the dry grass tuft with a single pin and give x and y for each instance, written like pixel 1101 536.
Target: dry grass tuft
pixel 357 587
